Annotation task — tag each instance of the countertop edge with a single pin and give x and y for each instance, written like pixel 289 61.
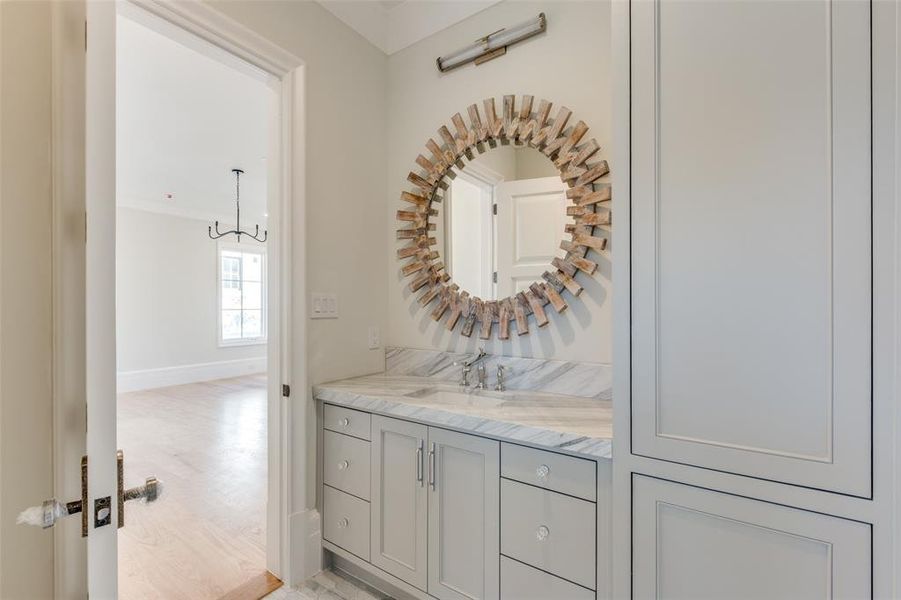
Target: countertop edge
pixel 571 444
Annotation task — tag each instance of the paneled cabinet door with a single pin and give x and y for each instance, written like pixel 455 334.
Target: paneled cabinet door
pixel 399 499
pixel 464 497
pixel 690 542
pixel 751 238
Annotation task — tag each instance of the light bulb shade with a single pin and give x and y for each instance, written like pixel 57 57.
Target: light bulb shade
pixel 493 42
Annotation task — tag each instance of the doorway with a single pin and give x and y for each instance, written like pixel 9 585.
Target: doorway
pixel 192 326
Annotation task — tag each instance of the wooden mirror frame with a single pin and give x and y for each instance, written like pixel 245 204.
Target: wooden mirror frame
pixel 430 181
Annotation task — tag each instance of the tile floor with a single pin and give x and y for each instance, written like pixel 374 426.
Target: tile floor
pixel 329 585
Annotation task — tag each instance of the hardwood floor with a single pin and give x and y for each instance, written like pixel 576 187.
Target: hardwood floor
pixel 206 442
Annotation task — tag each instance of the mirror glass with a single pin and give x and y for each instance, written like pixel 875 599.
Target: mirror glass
pixel 501 222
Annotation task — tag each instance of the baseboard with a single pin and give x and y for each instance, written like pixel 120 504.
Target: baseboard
pixel 133 381
pixel 306 545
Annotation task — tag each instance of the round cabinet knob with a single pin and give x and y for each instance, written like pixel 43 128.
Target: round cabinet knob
pixel 542 532
pixel 543 471
pixel 343 523
pixel 344 422
pixel 343 465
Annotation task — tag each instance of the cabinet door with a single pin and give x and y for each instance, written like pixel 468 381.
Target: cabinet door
pixel 399 499
pixel 751 238
pixel 464 516
pixel 690 542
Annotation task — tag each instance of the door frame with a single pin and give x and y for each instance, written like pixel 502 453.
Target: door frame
pixel 286 360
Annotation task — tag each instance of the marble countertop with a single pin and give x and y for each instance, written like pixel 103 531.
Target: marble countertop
pixel 569 424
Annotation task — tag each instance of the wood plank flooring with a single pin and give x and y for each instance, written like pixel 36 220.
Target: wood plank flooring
pixel 206 442
pixel 256 588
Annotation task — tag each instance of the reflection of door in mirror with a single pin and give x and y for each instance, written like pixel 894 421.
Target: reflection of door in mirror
pixel 494 253
pixel 531 217
pixel 469 234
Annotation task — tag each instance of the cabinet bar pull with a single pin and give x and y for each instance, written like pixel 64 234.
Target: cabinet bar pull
pixel 432 465
pixel 419 467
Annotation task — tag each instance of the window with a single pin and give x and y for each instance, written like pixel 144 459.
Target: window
pixel 242 295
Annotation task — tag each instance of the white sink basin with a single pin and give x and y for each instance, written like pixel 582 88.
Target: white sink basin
pixel 461 398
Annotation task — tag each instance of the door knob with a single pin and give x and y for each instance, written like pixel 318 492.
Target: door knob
pixel 149 492
pixel 52 510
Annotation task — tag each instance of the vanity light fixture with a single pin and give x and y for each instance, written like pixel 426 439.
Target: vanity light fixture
pixel 492 45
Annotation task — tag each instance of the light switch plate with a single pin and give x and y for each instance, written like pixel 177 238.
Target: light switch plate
pixel 324 306
pixel 374 338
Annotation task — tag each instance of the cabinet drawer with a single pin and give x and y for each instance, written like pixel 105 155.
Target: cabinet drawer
pixel 345 420
pixel 550 531
pixel 522 582
pixel 566 474
pixel 346 521
pixel 345 464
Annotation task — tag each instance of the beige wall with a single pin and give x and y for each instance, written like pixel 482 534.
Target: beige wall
pixel 568 65
pixel 25 309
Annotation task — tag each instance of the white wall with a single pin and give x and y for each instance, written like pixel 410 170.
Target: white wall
pixel 167 304
pixel 568 65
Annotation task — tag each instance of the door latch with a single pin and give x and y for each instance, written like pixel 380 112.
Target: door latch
pixel 52 510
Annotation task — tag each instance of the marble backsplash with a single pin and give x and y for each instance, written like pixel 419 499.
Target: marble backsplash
pixel 586 380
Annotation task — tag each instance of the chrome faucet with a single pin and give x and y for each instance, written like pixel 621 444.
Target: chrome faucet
pixel 467 367
pixel 499 386
pixel 483 377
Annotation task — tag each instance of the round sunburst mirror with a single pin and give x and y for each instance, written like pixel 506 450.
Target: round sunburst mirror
pixel 502 217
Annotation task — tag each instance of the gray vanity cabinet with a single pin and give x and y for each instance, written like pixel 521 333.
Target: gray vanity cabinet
pixel 446 515
pixel 464 509
pixel 399 499
pixel 435 498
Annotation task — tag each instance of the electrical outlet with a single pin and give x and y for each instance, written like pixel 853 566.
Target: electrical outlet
pixel 324 306
pixel 374 338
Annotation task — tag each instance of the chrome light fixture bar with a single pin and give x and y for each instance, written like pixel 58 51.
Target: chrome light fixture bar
pixel 492 45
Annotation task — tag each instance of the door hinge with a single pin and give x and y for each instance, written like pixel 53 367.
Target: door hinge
pixel 494 277
pixel 494 208
pixel 286 390
pixel 85 36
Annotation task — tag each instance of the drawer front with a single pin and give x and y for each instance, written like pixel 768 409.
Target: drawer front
pixel 346 464
pixel 347 421
pixel 566 474
pixel 346 521
pixel 522 582
pixel 550 531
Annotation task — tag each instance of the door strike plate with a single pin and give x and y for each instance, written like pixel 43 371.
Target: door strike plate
pixel 102 511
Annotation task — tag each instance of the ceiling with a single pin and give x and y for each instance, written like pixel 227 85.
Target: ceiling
pixel 184 119
pixel 392 25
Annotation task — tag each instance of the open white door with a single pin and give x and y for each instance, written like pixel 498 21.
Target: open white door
pixel 531 213
pixel 100 297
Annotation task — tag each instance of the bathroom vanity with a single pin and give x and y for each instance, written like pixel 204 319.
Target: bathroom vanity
pixel 431 490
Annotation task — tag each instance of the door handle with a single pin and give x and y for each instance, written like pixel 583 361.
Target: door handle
pixel 149 492
pixel 432 450
pixel 52 510
pixel 419 466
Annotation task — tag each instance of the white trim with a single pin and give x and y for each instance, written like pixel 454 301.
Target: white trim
pixel 145 379
pixel 184 212
pixel 209 24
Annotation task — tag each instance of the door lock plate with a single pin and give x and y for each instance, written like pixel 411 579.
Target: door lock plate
pixel 102 511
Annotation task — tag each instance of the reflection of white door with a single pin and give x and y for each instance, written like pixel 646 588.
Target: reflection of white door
pixel 531 217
